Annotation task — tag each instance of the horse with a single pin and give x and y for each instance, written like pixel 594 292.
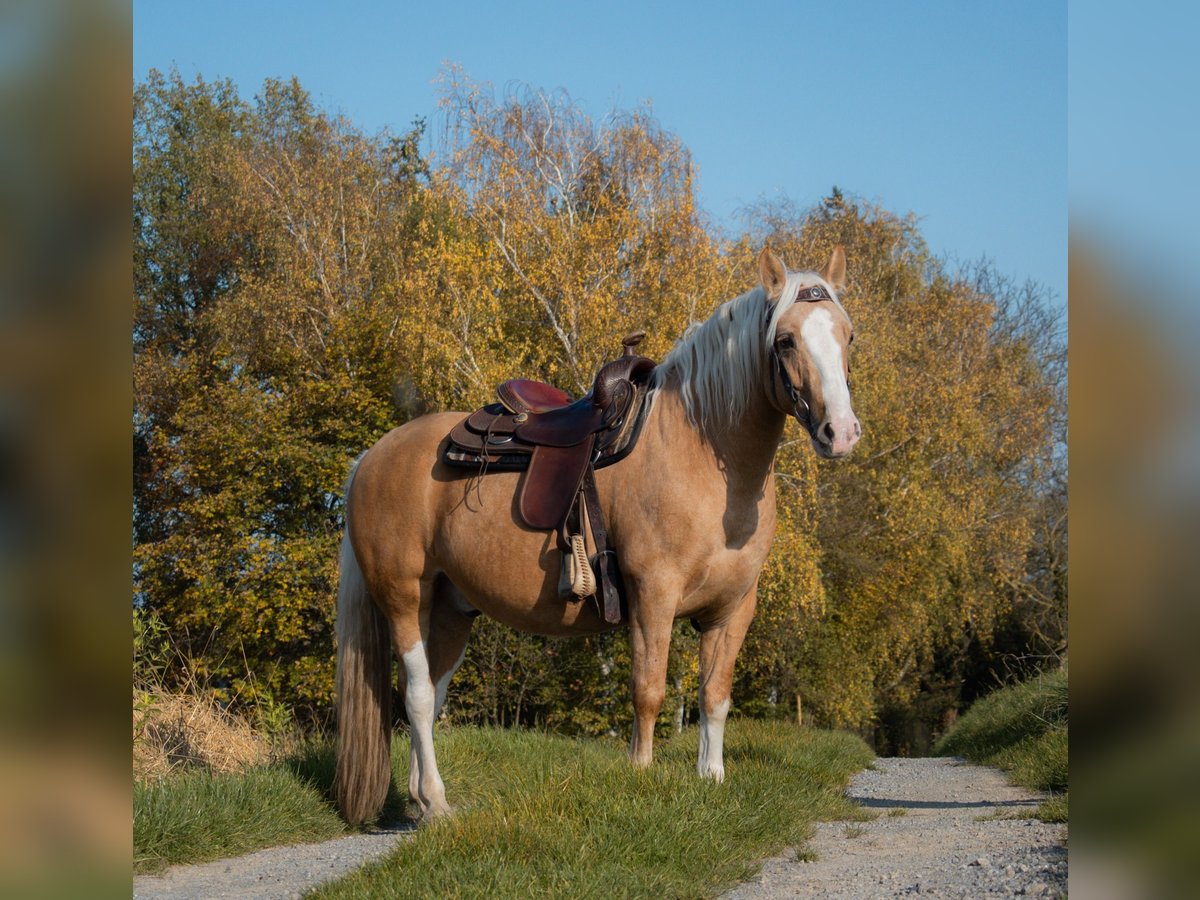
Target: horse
pixel 691 510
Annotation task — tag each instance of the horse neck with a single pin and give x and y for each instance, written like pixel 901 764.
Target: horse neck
pixel 743 451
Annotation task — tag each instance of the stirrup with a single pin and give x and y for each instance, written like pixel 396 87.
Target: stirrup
pixel 583 579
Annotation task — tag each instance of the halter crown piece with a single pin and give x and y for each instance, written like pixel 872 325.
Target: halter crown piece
pixel 816 292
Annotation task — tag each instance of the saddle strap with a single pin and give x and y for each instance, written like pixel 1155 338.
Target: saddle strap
pixel 609 596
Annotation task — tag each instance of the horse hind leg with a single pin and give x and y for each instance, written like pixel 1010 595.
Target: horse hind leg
pixel 450 623
pixel 428 664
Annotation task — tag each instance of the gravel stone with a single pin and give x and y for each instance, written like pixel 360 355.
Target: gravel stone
pixel 279 873
pixel 956 840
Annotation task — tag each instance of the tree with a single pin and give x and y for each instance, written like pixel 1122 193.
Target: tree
pixel 922 533
pixel 271 246
pixel 301 288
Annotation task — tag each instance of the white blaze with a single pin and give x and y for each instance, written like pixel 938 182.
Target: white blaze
pixel 826 352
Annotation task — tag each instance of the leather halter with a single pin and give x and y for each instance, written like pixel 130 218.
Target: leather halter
pixel 803 417
pixel 813 294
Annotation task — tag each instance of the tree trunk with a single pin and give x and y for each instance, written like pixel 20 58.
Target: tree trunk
pixel 799 711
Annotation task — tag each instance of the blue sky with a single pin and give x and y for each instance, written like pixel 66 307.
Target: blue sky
pixel 954 111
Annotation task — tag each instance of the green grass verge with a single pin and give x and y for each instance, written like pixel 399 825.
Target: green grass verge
pixel 535 813
pixel 540 815
pixel 1021 729
pixel 195 816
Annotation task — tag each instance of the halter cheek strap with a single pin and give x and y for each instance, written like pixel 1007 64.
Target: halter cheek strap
pixel 800 407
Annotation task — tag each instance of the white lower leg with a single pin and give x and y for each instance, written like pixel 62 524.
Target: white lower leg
pixel 420 700
pixel 711 762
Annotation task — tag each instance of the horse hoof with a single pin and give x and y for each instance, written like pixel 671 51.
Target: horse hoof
pixel 434 812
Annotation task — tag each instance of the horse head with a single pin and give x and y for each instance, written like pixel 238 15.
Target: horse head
pixel 809 336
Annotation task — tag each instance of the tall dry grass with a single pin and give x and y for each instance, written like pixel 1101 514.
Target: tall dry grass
pixel 184 726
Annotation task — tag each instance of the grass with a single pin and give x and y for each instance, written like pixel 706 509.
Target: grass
pixel 535 813
pixel 196 815
pixel 1021 729
pixel 546 815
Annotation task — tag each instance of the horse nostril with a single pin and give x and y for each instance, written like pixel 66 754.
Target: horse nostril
pixel 857 430
pixel 827 431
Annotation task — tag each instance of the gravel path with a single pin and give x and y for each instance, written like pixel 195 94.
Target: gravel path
pixel 280 872
pixel 956 838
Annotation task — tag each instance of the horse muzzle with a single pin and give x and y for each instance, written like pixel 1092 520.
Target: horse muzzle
pixel 837 435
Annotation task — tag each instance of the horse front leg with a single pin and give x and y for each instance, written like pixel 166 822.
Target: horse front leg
pixel 651 616
pixel 719 646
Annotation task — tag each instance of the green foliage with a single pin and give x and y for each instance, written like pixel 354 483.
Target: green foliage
pixel 578 686
pixel 265 361
pixel 151 647
pixel 1054 809
pixel 1021 729
pixel 301 287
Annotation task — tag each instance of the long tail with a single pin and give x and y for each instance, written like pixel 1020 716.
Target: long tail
pixel 364 693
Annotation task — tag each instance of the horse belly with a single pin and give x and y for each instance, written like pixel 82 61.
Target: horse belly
pixel 503 568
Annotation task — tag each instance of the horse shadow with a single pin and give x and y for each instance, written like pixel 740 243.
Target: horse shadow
pixel 315 765
pixel 889 803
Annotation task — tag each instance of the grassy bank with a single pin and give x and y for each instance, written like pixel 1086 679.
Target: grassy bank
pixel 535 813
pixel 1021 729
pixel 194 816
pixel 542 815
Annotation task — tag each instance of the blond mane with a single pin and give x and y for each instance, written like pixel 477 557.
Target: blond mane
pixel 719 363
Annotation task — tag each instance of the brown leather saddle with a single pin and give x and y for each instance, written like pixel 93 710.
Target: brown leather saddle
pixel 559 443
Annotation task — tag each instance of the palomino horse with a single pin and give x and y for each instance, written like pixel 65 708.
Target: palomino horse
pixel 691 511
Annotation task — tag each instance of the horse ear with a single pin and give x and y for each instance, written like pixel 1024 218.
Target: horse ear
pixel 834 272
pixel 772 274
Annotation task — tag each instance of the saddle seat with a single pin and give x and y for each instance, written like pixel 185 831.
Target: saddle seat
pixel 523 395
pixel 558 443
pixel 531 414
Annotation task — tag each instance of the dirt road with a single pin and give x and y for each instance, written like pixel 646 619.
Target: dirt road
pixel 959 836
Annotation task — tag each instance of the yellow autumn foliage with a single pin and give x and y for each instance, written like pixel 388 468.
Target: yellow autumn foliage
pixel 302 287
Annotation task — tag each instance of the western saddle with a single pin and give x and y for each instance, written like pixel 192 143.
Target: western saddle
pixel 559 443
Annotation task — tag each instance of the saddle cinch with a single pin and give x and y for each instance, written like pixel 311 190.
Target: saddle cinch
pixel 559 443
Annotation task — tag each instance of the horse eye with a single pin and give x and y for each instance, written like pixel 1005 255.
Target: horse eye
pixel 787 342
pixel 851 341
